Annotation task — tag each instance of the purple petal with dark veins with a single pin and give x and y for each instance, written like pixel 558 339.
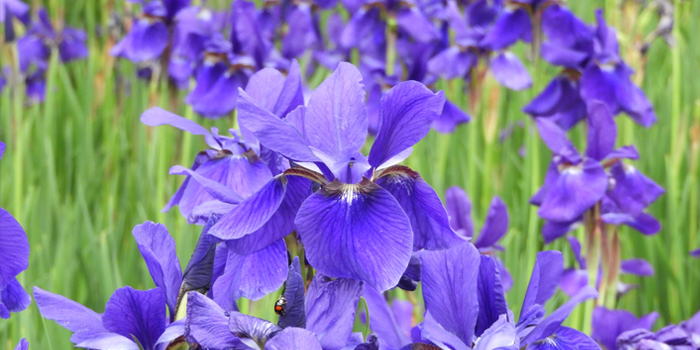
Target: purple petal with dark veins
pixel 450 288
pixel 429 220
pixel 136 313
pixel 330 309
pixel 375 248
pixel 406 112
pixel 159 251
pixel 251 276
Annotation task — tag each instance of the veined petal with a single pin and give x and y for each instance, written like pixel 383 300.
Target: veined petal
pixel 336 119
pixel 330 309
pixel 13 298
pixel 501 335
pixel 459 208
pixel 159 252
pixel 492 300
pixel 510 72
pixel 356 231
pixel 200 214
pixel 577 189
pixel 251 276
pixel 264 87
pixel 213 188
pixel 292 95
pixel 14 248
pixel 273 132
pixel 450 288
pixel 108 341
pixel 294 339
pixel 382 320
pixel 249 328
pixel 565 338
pixel 406 113
pixel 544 280
pixel 280 224
pixel 137 313
pixel 552 323
pixel 495 226
pixel 207 323
pixel 75 317
pixel 431 331
pixel 294 289
pixel 200 269
pixel 429 220
pixel 253 212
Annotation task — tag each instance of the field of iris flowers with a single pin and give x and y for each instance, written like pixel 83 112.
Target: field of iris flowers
pixel 529 143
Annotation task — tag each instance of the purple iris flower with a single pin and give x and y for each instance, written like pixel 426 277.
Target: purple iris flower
pixel 334 52
pixel 393 211
pixel 10 9
pixel 477 38
pixel 576 278
pixel 593 69
pixel 35 50
pixel 137 319
pixel 684 336
pixel 609 324
pixel 328 307
pixel 149 35
pixel 371 16
pixel 304 31
pixel 466 308
pixel 575 183
pixel 193 27
pixel 495 226
pixel 14 249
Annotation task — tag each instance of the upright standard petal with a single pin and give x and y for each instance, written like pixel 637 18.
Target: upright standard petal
pixel 14 248
pixel 294 339
pixel 450 280
pixel 356 231
pixel 552 323
pixel 336 119
pixel 546 274
pixel 273 132
pixel 510 72
pixel 77 318
pixel 265 87
pixel 207 323
pixel 159 252
pixel 251 276
pixel 406 113
pixel 136 313
pixel 495 226
pixel 330 309
pixel 294 288
pixel 429 221
pixel 602 131
pixel 492 300
pixel 459 208
pixel 382 321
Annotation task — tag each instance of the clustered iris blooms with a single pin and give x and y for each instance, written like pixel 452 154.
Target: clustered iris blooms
pixel 290 200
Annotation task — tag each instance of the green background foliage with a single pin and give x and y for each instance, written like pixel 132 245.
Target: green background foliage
pixel 81 170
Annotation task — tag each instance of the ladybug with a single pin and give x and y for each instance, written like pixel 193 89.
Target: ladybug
pixel 279 306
